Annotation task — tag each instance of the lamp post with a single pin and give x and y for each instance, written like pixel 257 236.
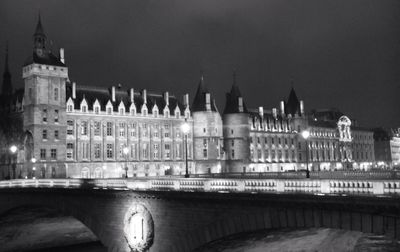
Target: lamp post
pixel 13 150
pixel 185 129
pixel 33 160
pixel 126 150
pixel 306 134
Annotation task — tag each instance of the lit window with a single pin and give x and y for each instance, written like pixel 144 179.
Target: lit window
pixel 70 127
pixel 42 154
pixel 97 128
pixel 53 154
pixel 56 116
pixel 110 151
pixel 44 134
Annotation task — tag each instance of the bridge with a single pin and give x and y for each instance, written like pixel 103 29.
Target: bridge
pixel 182 214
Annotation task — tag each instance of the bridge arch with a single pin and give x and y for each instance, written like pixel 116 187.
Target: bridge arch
pixel 279 218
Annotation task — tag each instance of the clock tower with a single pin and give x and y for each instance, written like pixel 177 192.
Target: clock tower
pixel 45 75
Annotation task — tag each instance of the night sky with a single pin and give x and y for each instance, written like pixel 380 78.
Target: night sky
pixel 341 53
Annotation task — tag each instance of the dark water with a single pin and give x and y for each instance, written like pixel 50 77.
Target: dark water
pixel 85 247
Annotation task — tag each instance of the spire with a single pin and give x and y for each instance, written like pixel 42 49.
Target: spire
pixel 6 68
pixel 293 104
pixel 39 28
pixel 234 100
pixel 39 38
pixel 7 87
pixel 202 99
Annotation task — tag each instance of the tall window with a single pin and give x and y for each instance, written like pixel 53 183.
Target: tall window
pixel 84 128
pixel 70 108
pixel 121 151
pixel 70 127
pixel 167 130
pixel 53 154
pixel 233 154
pixel 156 131
pixel 97 150
pixel 56 135
pixel 110 150
pixel 109 128
pixel 70 150
pixel 96 109
pixel 56 94
pixel 42 154
pixel 97 128
pixel 156 151
pixel 145 130
pixel 44 115
pixel 167 151
pixel 122 129
pixel 133 130
pixel 56 116
pixel 44 134
pixel 205 148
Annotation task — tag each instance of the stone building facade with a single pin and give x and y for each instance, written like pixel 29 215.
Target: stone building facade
pixel 71 130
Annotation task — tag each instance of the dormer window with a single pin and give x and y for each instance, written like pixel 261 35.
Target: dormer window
pixel 166 113
pixel 121 111
pixel 84 108
pixel 109 111
pixel 97 110
pixel 144 112
pixel 133 111
pixel 155 112
pixel 177 114
pixel 70 108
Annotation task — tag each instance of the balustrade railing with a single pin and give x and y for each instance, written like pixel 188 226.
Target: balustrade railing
pixel 231 185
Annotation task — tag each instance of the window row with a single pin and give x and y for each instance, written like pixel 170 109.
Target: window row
pixel 124 129
pixel 144 151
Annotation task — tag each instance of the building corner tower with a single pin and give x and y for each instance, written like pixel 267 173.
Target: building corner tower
pixel 207 132
pixel 236 131
pixel 44 117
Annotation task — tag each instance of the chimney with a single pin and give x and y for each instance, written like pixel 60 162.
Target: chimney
pixel 62 59
pixel 301 107
pixel 73 90
pixel 240 104
pixel 113 94
pixel 186 100
pixel 144 94
pixel 274 113
pixel 208 102
pixel 282 108
pixel 166 98
pixel 132 95
pixel 261 111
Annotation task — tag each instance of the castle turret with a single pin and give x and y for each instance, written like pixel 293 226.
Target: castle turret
pixel 45 76
pixel 207 132
pixel 236 131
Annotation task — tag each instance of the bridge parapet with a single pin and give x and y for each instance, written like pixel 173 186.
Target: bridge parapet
pixel 228 185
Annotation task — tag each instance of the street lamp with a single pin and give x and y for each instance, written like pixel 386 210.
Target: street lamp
pixel 185 129
pixel 306 134
pixel 33 160
pixel 126 150
pixel 13 150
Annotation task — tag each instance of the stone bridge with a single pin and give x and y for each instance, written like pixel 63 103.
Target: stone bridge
pixel 173 214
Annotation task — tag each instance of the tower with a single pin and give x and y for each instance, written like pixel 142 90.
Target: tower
pixel 44 77
pixel 236 131
pixel 6 89
pixel 207 132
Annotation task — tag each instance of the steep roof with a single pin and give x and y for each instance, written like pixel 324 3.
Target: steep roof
pixel 232 101
pixel 292 105
pixel 48 58
pixel 103 95
pixel 199 102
